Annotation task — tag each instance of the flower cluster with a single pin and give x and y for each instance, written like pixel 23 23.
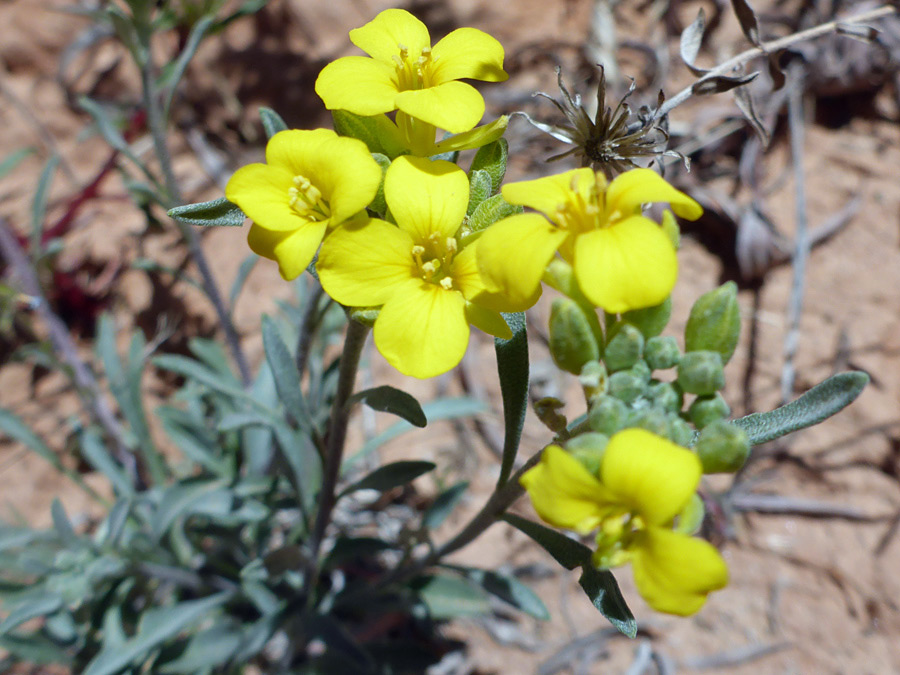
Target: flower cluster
pixel 643 484
pixel 432 250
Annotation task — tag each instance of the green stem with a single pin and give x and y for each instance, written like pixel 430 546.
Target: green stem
pixel 157 124
pixel 337 434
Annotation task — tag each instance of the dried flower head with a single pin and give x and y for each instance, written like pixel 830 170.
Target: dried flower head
pixel 614 138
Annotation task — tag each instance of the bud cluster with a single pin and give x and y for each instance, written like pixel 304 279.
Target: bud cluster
pixel 625 381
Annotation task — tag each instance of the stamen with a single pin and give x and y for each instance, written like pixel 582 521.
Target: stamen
pixel 447 284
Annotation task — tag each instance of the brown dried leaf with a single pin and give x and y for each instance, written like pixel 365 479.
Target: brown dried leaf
pixel 747 18
pixel 691 39
pixel 744 100
pixel 721 83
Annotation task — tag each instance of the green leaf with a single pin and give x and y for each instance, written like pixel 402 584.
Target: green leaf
pixel 443 505
pixel 206 649
pixel 196 442
pixel 492 159
pixel 567 552
pixel 191 369
pixel 241 278
pixel 157 626
pixel 41 606
pixel 715 322
pixel 34 649
pixel 271 121
pixel 512 369
pixel 819 403
pixel 377 132
pixel 284 369
pixel 184 499
pixel 379 205
pixel 13 160
pixel 441 409
pixel 479 189
pixel 218 212
pixel 184 58
pixel 490 211
pixel 509 589
pixel 392 400
pixel 62 524
pixel 108 130
pixel 450 597
pixel 601 587
pixel 390 476
pixel 95 453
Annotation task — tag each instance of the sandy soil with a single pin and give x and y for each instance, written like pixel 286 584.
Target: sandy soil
pixel 808 595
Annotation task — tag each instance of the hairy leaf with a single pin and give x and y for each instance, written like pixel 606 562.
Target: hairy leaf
pixel 271 121
pixel 218 212
pixel 392 400
pixel 391 475
pixel 512 369
pixel 567 552
pixel 601 587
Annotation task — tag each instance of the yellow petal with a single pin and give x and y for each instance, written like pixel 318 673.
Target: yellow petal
pixel 292 250
pixel 674 573
pixel 564 493
pixel 364 261
pixel 547 194
pixel 468 52
pixel 629 265
pixel 392 29
pixel 640 186
pixel 513 253
pixel 487 320
pixel 474 138
pixel 422 330
pixel 426 197
pixel 454 106
pixel 293 148
pixel 359 84
pixel 346 174
pixel 468 279
pixel 651 475
pixel 262 193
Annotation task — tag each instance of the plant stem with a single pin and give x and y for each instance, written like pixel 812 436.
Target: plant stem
pixel 308 324
pixel 337 434
pixel 157 126
pixel 773 47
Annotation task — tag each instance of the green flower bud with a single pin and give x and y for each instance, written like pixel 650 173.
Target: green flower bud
pixel 594 380
pixel 661 352
pixel 653 420
pixel 624 349
pixel 626 386
pixel 588 449
pixel 722 447
pixel 701 372
pixel 715 322
pixel 561 276
pixel 572 342
pixel 547 410
pixel 670 227
pixel 707 409
pixel 665 395
pixel 691 517
pixel 608 415
pixel 651 320
pixel 680 432
pixel 641 371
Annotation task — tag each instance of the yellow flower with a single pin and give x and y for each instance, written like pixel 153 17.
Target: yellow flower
pixel 622 260
pixel 644 482
pixel 311 182
pixel 425 278
pixel 405 73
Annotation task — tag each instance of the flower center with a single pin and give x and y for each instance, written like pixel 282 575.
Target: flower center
pixel 306 199
pixel 434 260
pixel 585 212
pixel 616 538
pixel 413 73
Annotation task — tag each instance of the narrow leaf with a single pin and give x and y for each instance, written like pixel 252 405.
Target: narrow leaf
pixel 271 121
pixel 218 212
pixel 866 34
pixel 184 58
pixel 721 83
pixel 39 203
pixel 13 160
pixel 747 18
pixel 284 370
pixel 97 455
pixel 492 159
pixel 509 589
pixel 241 278
pixel 451 597
pixel 391 475
pixel 42 606
pixel 490 211
pixel 165 624
pixel 744 99
pixel 819 403
pixel 512 369
pixel 479 189
pixel 443 505
pixel 392 400
pixel 691 39
pixel 601 587
pixel 567 552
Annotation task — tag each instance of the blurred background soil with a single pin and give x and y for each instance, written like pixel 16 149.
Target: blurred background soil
pixel 815 586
